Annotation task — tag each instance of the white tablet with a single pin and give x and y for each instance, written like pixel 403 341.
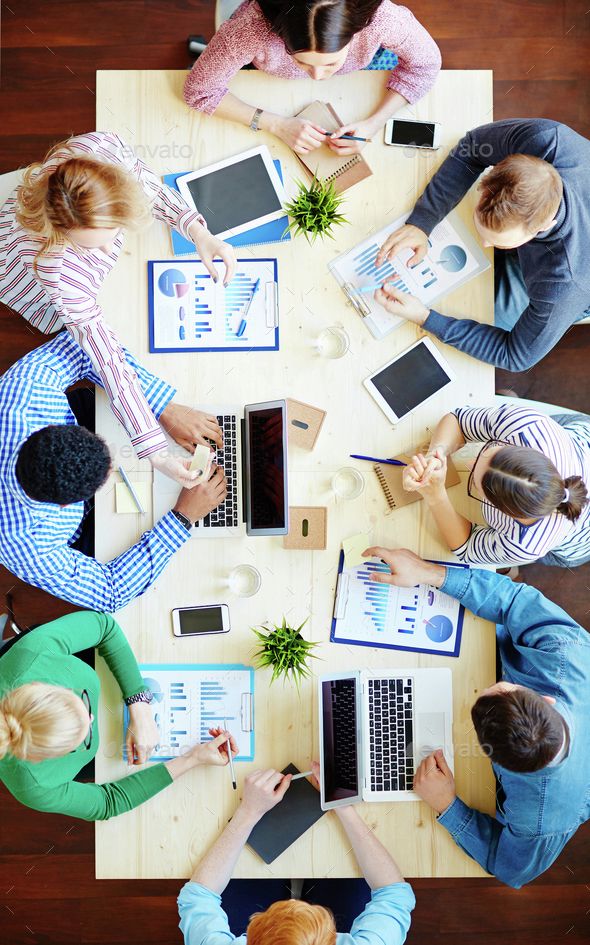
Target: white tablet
pixel 237 194
pixel 407 382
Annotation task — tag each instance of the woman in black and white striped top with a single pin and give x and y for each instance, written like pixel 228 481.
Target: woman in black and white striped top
pixel 530 477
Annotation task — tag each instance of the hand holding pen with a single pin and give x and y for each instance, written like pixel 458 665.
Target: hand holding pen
pixel 223 748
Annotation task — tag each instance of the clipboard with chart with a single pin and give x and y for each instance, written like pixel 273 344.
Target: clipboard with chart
pixel 421 619
pixel 190 699
pixel 189 311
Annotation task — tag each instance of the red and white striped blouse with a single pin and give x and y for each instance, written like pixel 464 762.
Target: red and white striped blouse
pixel 62 292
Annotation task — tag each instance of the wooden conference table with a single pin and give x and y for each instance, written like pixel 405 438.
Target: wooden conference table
pixel 166 836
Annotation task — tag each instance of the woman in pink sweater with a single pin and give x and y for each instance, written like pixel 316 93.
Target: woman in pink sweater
pixel 319 38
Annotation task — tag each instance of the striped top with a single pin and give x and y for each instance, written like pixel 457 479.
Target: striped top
pixel 247 37
pixel 62 292
pixel 504 540
pixel 36 537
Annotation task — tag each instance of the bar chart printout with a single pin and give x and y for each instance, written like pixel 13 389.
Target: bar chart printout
pixel 189 700
pixel 419 618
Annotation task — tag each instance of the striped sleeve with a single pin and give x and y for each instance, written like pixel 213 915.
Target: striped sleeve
pixel 489 545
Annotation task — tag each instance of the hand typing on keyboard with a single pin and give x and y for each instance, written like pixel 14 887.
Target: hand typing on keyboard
pixel 189 427
pixel 198 502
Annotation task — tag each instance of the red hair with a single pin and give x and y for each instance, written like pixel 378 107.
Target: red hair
pixel 292 922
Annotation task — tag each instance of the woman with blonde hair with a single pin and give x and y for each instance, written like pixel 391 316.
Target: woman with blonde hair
pixel 530 478
pixel 61 233
pixel 49 730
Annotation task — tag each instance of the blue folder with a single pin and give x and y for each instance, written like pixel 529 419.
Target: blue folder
pixel 272 232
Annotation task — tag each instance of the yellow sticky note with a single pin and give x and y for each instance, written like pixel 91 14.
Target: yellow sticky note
pixel 124 503
pixel 201 459
pixel 353 550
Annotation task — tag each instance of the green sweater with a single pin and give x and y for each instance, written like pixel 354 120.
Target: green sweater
pixel 47 655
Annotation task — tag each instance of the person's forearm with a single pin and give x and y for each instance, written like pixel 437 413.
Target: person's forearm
pixel 447 436
pixel 377 865
pixel 390 104
pixel 233 108
pixel 215 869
pixel 454 527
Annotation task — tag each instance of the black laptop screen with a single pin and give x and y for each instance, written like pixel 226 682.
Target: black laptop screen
pixel 340 761
pixel 267 468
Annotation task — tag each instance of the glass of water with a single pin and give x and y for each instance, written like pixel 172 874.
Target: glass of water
pixel 348 483
pixel 244 580
pixel 332 342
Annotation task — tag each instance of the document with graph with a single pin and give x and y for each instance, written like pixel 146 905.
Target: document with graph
pixel 191 699
pixel 420 618
pixel 453 258
pixel 189 311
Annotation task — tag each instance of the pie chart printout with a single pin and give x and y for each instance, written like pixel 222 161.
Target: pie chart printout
pixel 439 628
pixel 172 283
pixel 453 258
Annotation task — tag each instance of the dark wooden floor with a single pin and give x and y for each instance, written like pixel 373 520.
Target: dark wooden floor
pixel 540 53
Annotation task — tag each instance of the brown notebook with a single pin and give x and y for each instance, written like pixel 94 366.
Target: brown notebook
pixel 390 480
pixel 344 172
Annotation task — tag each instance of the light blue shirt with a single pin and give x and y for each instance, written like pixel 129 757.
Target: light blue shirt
pixel 543 649
pixel 36 537
pixel 384 921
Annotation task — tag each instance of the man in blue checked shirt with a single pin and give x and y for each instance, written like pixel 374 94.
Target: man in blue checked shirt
pixel 384 918
pixel 533 724
pixel 50 468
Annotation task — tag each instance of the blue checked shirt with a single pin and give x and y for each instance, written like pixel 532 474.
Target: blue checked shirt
pixel 35 537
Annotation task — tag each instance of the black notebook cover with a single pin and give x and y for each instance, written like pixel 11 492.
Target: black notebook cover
pixel 284 824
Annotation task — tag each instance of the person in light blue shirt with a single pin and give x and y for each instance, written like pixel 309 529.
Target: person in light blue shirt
pixel 533 724
pixel 203 921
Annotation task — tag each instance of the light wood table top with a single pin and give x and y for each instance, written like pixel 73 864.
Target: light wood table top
pixel 167 835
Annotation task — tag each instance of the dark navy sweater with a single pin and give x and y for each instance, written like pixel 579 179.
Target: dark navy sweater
pixel 555 265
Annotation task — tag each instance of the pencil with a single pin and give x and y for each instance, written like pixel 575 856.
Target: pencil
pixel 132 491
pixel 302 774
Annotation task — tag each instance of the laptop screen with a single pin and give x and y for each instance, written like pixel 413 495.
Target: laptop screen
pixel 266 464
pixel 340 768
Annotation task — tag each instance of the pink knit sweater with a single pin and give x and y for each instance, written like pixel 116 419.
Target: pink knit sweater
pixel 246 37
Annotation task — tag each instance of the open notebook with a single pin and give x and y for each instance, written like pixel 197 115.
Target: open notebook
pixel 323 163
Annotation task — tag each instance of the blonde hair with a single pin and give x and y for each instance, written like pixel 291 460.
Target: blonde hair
pixel 292 922
pixel 519 190
pixel 39 721
pixel 78 193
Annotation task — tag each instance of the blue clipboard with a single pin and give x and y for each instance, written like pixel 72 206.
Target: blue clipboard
pixel 231 343
pixel 439 627
pixel 216 705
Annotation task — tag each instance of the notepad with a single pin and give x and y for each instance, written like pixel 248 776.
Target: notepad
pixel 391 480
pixel 322 163
pixel 124 503
pixel 353 550
pixel 284 824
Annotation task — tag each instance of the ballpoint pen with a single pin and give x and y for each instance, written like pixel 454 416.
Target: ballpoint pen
pixel 231 761
pixel 373 459
pixel 332 134
pixel 242 327
pixel 132 491
pixel 373 287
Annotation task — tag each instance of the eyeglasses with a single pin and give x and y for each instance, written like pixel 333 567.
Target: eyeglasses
pixel 86 703
pixel 490 444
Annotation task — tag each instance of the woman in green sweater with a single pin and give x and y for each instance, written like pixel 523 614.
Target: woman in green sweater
pixel 48 729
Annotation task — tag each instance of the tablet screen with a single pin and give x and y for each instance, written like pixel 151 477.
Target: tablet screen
pixel 234 195
pixel 410 380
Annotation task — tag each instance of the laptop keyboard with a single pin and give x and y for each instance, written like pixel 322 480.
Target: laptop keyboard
pixel 226 514
pixel 344 733
pixel 391 734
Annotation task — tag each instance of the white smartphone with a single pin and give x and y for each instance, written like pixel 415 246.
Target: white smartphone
pixel 197 621
pixel 412 134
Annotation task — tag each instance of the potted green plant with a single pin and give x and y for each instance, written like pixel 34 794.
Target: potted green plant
pixel 285 650
pixel 315 210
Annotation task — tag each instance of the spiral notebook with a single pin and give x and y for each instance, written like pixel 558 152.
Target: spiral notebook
pixel 322 163
pixel 390 480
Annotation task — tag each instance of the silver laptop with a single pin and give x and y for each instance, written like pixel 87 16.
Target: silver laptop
pixel 254 458
pixel 376 728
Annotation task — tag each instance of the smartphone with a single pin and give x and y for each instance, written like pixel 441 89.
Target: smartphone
pixel 197 621
pixel 412 134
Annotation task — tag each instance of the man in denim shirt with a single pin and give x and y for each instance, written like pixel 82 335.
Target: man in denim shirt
pixel 533 724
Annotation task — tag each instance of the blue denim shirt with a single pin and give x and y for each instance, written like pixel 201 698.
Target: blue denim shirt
pixel 544 649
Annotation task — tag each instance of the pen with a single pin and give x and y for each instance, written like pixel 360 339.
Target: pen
pixel 302 774
pixel 373 459
pixel 132 491
pixel 242 327
pixel 331 134
pixel 371 288
pixel 231 761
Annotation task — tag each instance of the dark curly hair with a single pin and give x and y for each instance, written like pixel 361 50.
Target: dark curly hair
pixel 62 464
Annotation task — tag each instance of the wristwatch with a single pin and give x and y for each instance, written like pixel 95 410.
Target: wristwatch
pixel 256 119
pixel 183 520
pixel 146 695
